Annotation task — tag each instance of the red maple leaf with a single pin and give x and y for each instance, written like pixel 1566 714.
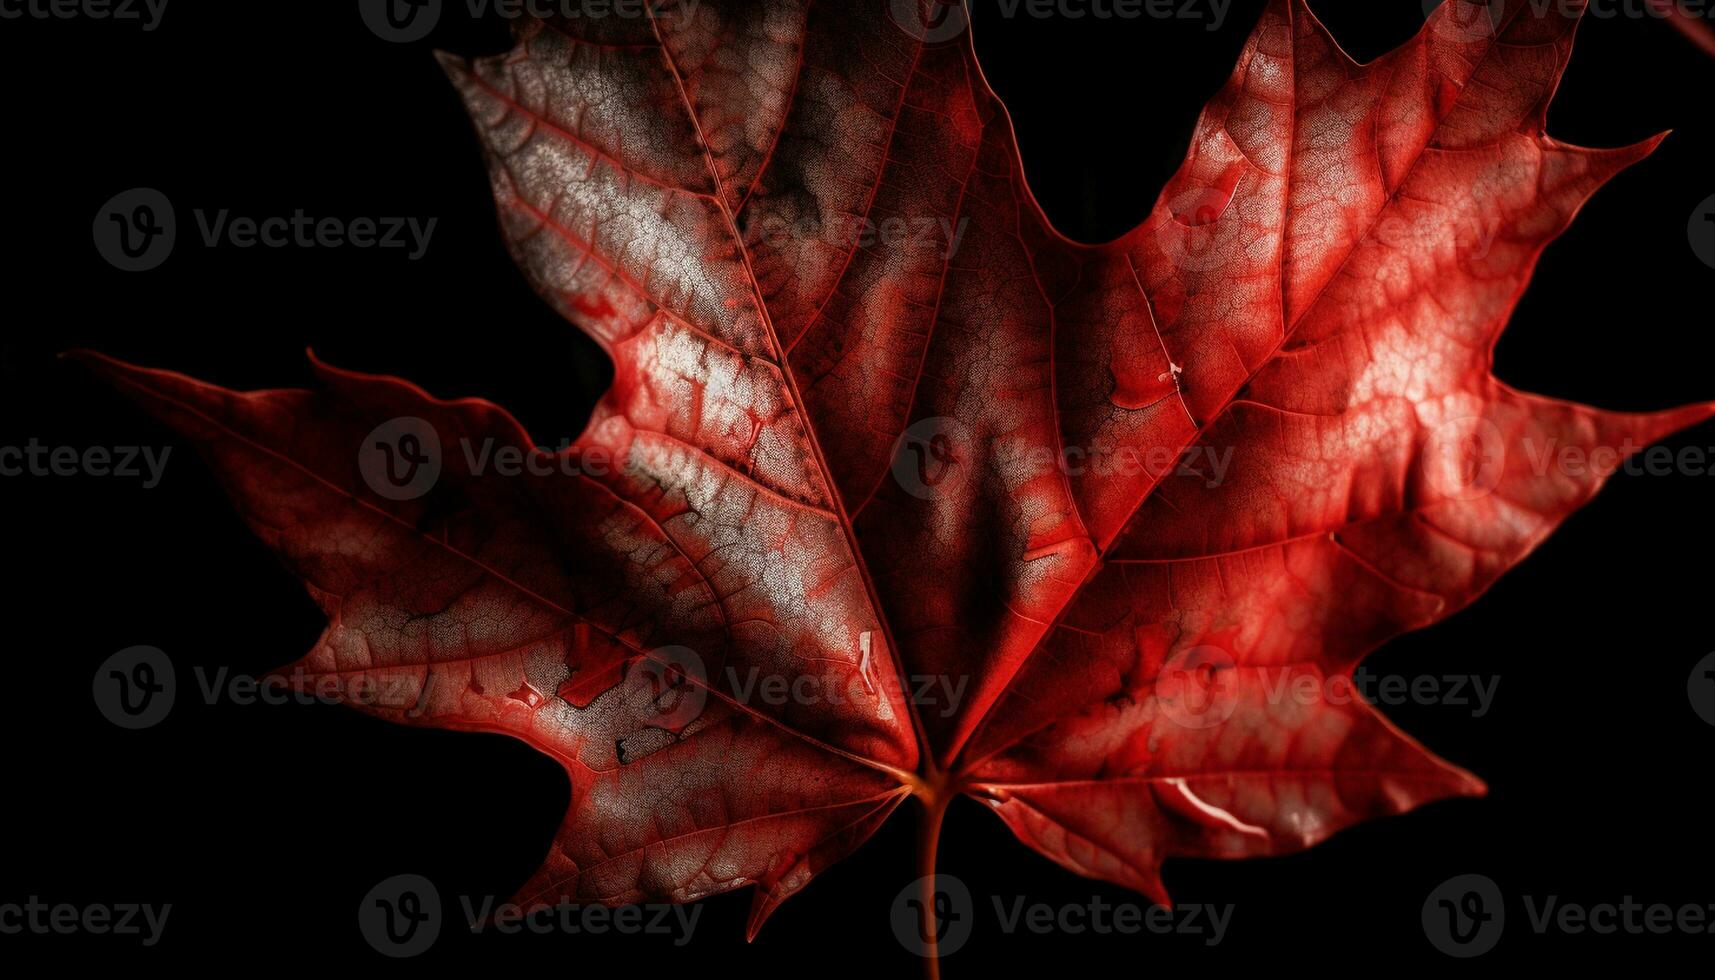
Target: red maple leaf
pixel 875 424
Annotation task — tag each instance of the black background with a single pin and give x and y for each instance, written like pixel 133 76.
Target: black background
pixel 264 826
